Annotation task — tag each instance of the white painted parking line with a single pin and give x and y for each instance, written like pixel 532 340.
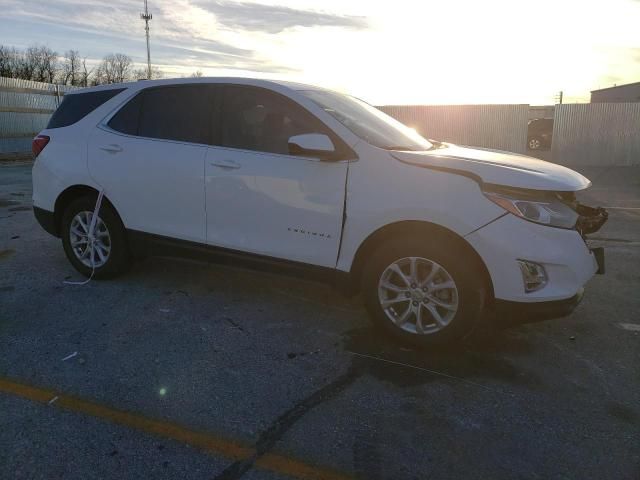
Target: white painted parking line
pixel 634 327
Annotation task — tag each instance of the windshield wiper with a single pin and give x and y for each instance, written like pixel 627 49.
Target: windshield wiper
pixel 404 148
pixel 436 144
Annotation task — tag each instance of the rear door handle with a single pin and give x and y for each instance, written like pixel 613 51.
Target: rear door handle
pixel 113 148
pixel 228 164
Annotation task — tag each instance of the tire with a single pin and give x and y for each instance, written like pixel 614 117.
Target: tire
pixel 534 143
pixel 115 251
pixel 435 254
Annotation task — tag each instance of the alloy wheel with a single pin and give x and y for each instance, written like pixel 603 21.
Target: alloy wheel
pixel 418 295
pixel 92 250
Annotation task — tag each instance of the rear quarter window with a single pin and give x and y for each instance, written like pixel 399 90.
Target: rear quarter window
pixel 76 106
pixel 128 117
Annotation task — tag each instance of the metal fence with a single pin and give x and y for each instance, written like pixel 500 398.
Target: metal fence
pixel 597 134
pixel 583 134
pixel 593 134
pixel 503 127
pixel 25 109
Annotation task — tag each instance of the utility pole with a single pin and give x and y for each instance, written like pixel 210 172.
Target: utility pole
pixel 559 97
pixel 146 16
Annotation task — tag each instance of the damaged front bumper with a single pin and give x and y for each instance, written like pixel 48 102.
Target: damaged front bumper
pixel 558 248
pixel 563 254
pixel 591 220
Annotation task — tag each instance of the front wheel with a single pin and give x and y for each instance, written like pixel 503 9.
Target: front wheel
pixel 104 253
pixel 423 292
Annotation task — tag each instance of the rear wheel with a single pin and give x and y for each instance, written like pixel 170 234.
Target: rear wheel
pixel 423 292
pixel 105 252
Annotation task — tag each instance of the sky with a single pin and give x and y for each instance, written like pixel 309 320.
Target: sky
pixel 385 52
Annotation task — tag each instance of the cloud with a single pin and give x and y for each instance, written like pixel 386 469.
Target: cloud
pixel 201 58
pixel 185 34
pixel 274 18
pixel 97 28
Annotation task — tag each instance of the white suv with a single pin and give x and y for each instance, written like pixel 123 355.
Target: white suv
pixel 431 234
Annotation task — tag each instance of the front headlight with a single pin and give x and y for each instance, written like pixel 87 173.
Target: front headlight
pixel 546 208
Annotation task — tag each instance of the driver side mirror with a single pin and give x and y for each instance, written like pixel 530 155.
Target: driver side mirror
pixel 312 145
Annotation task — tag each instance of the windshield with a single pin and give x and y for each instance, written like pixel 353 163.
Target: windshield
pixel 367 122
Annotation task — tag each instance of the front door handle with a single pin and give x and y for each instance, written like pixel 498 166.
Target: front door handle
pixel 112 148
pixel 228 164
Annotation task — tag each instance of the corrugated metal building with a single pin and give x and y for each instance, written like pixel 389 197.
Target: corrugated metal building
pixel 602 134
pixel 620 93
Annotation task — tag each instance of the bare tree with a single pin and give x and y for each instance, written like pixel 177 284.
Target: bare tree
pixel 40 63
pixel 49 64
pixel 141 73
pixel 31 64
pixel 115 68
pixel 4 61
pixel 85 74
pixel 196 74
pixel 71 65
pixel 28 65
pixel 19 62
pixel 8 61
pixel 16 62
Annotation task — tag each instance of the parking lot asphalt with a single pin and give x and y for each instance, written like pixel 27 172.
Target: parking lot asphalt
pixel 192 370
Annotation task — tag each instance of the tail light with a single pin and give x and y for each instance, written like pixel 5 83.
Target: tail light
pixel 38 144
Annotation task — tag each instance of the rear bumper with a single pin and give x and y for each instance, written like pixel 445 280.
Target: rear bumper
pixel 46 219
pixel 515 313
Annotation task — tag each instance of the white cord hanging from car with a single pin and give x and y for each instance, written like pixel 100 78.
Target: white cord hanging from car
pixel 91 241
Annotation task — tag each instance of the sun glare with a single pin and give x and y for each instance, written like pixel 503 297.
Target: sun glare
pixel 458 51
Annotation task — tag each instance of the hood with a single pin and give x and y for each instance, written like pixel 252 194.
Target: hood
pixel 498 167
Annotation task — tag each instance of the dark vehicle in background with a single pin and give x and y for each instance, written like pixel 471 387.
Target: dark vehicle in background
pixel 539 134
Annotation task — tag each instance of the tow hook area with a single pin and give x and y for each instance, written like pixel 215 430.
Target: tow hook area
pixel 591 219
pixel 598 253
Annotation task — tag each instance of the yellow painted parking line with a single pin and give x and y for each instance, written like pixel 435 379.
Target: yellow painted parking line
pixel 206 442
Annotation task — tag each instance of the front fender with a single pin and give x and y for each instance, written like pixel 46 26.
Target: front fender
pixel 398 192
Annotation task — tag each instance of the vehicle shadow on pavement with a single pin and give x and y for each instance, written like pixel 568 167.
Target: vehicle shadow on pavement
pixel 480 357
pixel 489 354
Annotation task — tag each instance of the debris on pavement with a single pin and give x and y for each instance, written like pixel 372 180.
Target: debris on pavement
pixel 69 356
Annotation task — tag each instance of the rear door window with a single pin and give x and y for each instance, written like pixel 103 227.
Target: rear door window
pixel 75 107
pixel 181 113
